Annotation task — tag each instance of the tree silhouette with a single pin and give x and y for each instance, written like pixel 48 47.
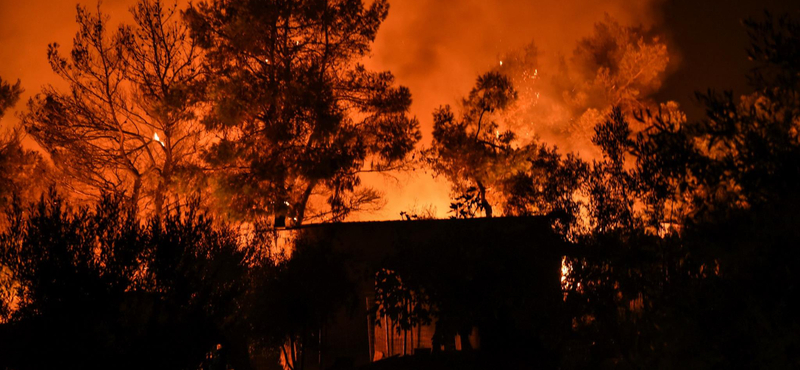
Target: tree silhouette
pixel 716 289
pixel 9 95
pixel 127 123
pixel 612 189
pixel 23 172
pixel 549 183
pixel 486 162
pixel 470 151
pixel 296 298
pixel 99 288
pixel 294 113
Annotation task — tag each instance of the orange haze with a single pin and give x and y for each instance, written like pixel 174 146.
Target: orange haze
pixel 438 49
pixel 435 47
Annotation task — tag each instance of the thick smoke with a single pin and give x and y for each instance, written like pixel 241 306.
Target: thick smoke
pixel 438 48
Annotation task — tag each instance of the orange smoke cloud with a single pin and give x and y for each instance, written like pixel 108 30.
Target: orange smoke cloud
pixel 438 48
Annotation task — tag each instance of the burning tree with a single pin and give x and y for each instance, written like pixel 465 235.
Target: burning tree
pixel 128 122
pixel 294 113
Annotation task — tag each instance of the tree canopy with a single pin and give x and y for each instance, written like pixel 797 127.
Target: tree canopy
pixel 294 113
pixel 127 123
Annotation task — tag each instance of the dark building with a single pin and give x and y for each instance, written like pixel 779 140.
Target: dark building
pixel 505 274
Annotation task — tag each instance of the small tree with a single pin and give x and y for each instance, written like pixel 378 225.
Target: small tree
pixel 9 95
pixel 295 298
pixel 470 151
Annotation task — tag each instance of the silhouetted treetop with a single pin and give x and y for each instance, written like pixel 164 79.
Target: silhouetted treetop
pixel 294 113
pixel 9 95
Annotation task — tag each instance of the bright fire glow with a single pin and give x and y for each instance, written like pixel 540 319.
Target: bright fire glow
pixel 157 139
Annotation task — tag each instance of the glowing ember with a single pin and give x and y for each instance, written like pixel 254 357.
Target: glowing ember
pixel 158 139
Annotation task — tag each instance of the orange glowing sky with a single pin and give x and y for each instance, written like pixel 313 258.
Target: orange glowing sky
pixel 438 47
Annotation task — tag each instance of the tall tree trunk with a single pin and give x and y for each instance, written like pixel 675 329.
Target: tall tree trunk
pixel 159 199
pixel 301 206
pixel 436 340
pixel 464 336
pixel 164 183
pixel 293 350
pixel 287 360
pixel 137 189
pixel 487 208
pixel 161 191
pixel 386 328
pixel 405 341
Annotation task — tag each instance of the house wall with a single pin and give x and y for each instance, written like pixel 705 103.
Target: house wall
pixel 353 338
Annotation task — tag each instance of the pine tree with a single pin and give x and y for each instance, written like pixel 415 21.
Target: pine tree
pixel 294 113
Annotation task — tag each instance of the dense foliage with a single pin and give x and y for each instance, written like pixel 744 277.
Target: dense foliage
pixel 99 287
pixel 294 113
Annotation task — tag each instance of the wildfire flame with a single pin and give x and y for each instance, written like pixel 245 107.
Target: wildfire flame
pixel 157 139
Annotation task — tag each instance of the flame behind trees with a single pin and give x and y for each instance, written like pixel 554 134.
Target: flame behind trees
pixel 562 101
pixel 489 165
pixel 493 154
pixel 470 151
pixel 124 87
pixel 729 181
pixel 295 115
